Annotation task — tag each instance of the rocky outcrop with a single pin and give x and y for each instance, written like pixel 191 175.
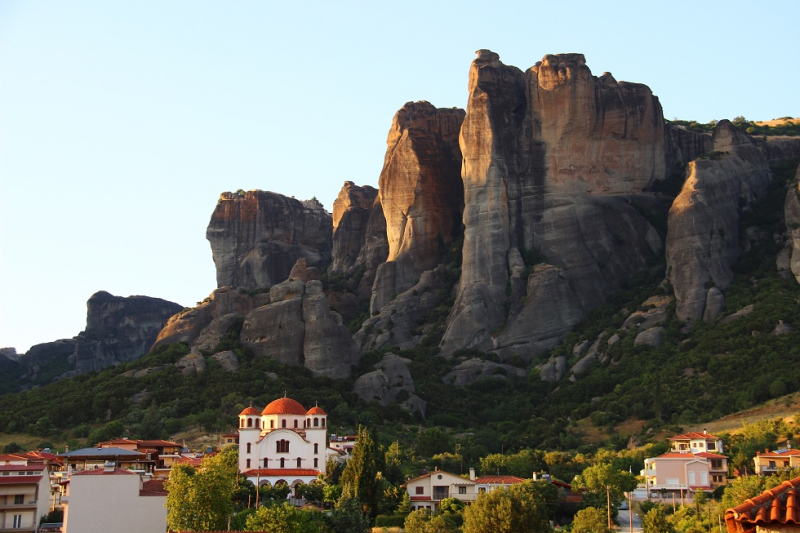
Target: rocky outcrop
pixel 351 212
pixel 297 327
pixel 792 217
pixel 552 159
pixel 227 360
pixel 192 363
pixel 685 145
pixel 256 237
pixel 375 249
pixel 474 370
pixel 400 323
pixel 119 330
pixel 190 325
pixel 391 382
pixel 650 337
pixel 703 235
pixel 421 194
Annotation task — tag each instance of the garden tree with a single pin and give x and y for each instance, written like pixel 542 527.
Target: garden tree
pixel 422 521
pixel 688 519
pixel 284 518
pixel 741 489
pixel 273 493
pixel 333 471
pixel 312 492
pixel 347 517
pixel 393 459
pixel 590 520
pixel 595 479
pixel 405 505
pixel 202 499
pixel 361 477
pixel 449 462
pixel 332 494
pixel 510 510
pixel 655 521
pixel 12 447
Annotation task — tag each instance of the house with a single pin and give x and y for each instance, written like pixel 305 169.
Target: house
pixel 94 458
pixel 24 496
pixel 773 511
pixel 111 499
pixel 768 463
pixel 489 483
pixel 428 490
pixel 692 465
pixel 284 443
pixel 343 443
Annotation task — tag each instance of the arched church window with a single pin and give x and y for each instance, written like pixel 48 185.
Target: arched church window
pixel 316 422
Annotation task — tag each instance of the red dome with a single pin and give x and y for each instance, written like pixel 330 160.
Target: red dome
pixel 249 411
pixel 284 406
pixel 316 411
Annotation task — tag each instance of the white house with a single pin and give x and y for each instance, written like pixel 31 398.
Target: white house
pixel 110 499
pixel 284 443
pixel 24 497
pixel 428 490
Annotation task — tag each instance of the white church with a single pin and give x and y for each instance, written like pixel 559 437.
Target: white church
pixel 284 443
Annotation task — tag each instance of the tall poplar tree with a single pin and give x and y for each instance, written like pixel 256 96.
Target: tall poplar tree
pixel 361 477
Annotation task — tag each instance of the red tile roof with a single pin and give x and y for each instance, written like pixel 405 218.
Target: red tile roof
pixel 676 455
pixel 499 480
pixel 709 455
pixel 153 487
pixel 316 410
pixel 779 453
pixel 157 443
pixel 104 472
pixel 780 505
pixel 693 435
pixel 21 468
pixel 249 411
pixel 15 480
pixel 281 472
pixel 284 406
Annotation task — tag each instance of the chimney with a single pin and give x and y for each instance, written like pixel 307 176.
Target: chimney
pixel 705 431
pixel 535 476
pixel 472 474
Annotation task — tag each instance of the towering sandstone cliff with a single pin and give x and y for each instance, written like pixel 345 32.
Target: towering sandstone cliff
pixel 552 159
pixel 257 236
pixel 351 212
pixel 421 195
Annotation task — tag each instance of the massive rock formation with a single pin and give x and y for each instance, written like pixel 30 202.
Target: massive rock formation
pixel 117 330
pixel 421 194
pixel 703 235
pixel 257 236
pixel 297 327
pixel 351 212
pixel 221 307
pixel 391 382
pixel 375 249
pixel 552 158
pixel 792 217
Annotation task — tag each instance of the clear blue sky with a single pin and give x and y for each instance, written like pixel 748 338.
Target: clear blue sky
pixel 122 122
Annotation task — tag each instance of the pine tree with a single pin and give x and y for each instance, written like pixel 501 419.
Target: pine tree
pixel 361 477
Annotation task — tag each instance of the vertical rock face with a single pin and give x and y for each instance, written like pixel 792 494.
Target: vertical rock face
pixel 351 212
pixel 703 235
pixel 375 249
pixel 298 327
pixel 792 217
pixel 685 145
pixel 421 194
pixel 552 158
pixel 257 236
pixel 120 329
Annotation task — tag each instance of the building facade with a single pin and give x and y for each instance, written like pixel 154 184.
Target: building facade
pixel 768 463
pixel 283 443
pixel 694 464
pixel 24 497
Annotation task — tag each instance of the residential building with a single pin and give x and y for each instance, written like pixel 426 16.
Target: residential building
pixel 94 458
pixel 692 465
pixel 768 463
pixel 111 499
pixel 343 443
pixel 24 497
pixel 428 490
pixel 489 483
pixel 773 511
pixel 284 443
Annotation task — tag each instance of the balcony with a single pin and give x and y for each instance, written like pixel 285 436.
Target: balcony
pixel 650 472
pixel 25 506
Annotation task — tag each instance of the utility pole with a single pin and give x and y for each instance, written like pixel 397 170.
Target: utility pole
pixel 673 503
pixel 630 511
pixel 608 504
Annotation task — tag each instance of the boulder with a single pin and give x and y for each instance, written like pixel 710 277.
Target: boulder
pixel 256 237
pixel 192 363
pixel 474 370
pixel 389 383
pixel 554 369
pixel 715 303
pixel 782 328
pixel 650 337
pixel 741 313
pixel 228 360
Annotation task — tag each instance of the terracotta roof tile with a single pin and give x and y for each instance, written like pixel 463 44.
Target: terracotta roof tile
pixel 499 480
pixel 316 411
pixel 104 472
pixel 778 505
pixel 15 480
pixel 249 411
pixel 694 436
pixel 284 406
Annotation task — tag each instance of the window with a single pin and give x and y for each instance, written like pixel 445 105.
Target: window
pixel 241 423
pixel 420 490
pixel 271 424
pixel 283 423
pixel 323 422
pixel 266 462
pixel 316 463
pixel 282 446
pixel 298 462
pixel 19 499
pixel 248 463
pixel 17 521
pixel 786 464
pixel 316 447
pixel 282 462
pixel 249 422
pixel 712 445
pixel 295 424
pixel 462 490
pixel 316 422
pixel 482 490
pixel 716 464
